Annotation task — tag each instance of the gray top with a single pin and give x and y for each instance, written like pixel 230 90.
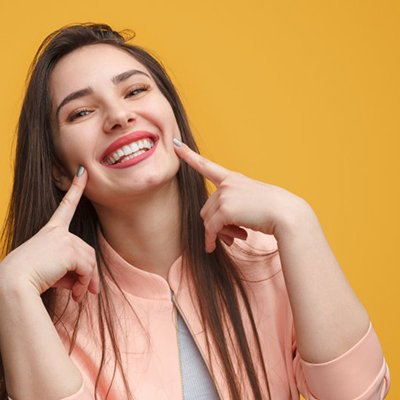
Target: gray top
pixel 196 380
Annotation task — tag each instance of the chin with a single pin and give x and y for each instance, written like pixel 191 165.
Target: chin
pixel 154 182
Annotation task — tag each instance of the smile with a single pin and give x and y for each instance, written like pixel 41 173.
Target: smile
pixel 129 151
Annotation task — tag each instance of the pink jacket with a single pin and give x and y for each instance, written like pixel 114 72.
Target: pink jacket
pixel 151 357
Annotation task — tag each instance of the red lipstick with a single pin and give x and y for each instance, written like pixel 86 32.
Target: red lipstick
pixel 127 139
pixel 134 160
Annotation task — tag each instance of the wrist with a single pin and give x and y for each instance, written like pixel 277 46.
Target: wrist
pixel 13 283
pixel 301 217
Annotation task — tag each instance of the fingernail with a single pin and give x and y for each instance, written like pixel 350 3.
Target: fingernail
pixel 80 171
pixel 177 142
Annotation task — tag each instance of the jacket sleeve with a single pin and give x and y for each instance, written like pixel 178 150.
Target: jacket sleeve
pixel 361 373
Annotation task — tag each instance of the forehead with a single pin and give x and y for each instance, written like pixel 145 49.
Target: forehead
pixel 93 66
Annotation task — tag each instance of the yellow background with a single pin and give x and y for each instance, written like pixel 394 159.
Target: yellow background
pixel 304 95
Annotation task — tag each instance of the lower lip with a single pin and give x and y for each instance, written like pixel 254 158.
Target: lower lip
pixel 134 160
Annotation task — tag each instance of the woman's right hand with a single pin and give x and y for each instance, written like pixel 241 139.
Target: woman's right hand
pixel 54 257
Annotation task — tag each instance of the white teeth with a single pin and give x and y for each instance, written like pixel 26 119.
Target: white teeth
pixel 138 153
pixel 134 147
pixel 129 151
pixel 126 150
pixel 115 157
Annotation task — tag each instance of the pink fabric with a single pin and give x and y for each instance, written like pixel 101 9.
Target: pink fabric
pixel 151 355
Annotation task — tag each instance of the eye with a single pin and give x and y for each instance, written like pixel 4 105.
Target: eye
pixel 78 114
pixel 136 90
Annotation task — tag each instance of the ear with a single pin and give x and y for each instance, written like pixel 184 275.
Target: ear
pixel 60 177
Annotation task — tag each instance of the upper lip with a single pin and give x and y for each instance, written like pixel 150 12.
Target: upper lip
pixel 126 139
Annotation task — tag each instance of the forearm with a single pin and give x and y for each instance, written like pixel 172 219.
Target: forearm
pixel 328 317
pixel 36 364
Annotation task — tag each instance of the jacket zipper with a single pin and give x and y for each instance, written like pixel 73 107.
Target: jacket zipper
pixel 195 340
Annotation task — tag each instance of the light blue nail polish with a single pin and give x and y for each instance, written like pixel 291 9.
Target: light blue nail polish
pixel 80 171
pixel 177 142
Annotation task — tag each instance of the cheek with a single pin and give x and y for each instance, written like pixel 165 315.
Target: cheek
pixel 166 116
pixel 71 152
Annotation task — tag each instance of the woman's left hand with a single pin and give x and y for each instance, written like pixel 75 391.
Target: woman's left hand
pixel 239 201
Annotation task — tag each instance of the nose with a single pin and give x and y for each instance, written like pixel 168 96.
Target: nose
pixel 118 117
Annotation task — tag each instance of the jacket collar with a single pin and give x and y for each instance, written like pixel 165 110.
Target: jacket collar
pixel 136 281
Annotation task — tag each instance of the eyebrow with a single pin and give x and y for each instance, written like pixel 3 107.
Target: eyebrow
pixel 86 91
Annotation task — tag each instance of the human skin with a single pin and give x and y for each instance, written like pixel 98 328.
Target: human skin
pixel 138 208
pixel 328 317
pixel 131 203
pixel 26 331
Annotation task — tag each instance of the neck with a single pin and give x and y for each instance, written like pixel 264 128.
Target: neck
pixel 146 232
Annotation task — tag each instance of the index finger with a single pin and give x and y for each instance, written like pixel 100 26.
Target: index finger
pixel 212 171
pixel 66 210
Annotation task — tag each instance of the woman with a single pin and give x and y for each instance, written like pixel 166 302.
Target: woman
pixel 174 294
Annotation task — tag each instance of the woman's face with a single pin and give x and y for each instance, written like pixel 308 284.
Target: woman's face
pixel 110 116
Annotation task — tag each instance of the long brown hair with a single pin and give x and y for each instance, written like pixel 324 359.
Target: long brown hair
pixel 35 197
